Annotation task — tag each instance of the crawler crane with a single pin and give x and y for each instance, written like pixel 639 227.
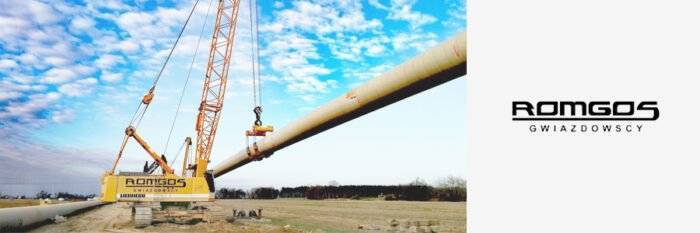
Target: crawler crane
pixel 160 192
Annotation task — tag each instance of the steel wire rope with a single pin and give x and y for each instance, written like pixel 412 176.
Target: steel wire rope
pixel 179 151
pixel 187 80
pixel 167 59
pixel 257 48
pixel 255 61
pixel 155 82
pixel 252 52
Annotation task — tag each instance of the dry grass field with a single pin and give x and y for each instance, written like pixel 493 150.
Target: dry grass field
pixel 8 203
pixel 349 215
pixel 290 215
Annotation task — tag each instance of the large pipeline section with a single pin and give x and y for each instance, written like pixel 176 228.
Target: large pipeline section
pixel 442 63
pixel 20 217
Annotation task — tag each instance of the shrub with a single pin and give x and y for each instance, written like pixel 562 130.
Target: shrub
pixel 265 193
pixel 230 193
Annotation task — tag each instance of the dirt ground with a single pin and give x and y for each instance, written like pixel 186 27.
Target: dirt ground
pixel 289 215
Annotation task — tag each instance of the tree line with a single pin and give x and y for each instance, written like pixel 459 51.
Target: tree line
pixel 44 195
pixel 65 195
pixel 448 189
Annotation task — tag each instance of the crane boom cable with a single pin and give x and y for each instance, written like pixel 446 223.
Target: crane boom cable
pixel 143 113
pixel 253 70
pixel 187 80
pixel 257 52
pixel 160 73
pixel 135 113
pixel 175 45
pixel 179 151
pixel 138 113
pixel 255 64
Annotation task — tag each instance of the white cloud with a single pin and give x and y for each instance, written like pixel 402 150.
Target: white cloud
pixel 187 45
pixel 351 48
pixel 270 78
pixel 24 79
pixel 9 86
pixel 59 75
pixel 291 55
pixel 146 43
pixel 63 116
pixel 292 39
pixel 79 88
pixel 109 43
pixel 402 10
pixel 83 69
pixel 82 24
pixel 138 23
pixel 418 41
pixel 4 96
pixel 322 18
pixel 366 73
pixel 6 64
pixel 308 98
pixel 378 5
pixel 111 77
pixel 29 59
pixel 44 62
pixel 457 10
pixel 128 46
pixel 108 4
pixel 107 61
pixel 42 13
pixel 161 23
pixel 11 28
pixel 24 111
pixel 375 50
pixel 56 162
pixel 56 61
pixel 278 4
pixel 309 84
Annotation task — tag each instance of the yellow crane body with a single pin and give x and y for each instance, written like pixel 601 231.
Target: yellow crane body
pixel 136 187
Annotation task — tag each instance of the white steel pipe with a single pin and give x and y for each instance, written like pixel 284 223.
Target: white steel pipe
pixel 436 66
pixel 19 217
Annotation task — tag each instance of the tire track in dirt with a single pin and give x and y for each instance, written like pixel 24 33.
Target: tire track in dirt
pixel 116 218
pixel 107 218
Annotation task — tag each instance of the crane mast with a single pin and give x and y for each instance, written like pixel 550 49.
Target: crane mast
pixel 215 80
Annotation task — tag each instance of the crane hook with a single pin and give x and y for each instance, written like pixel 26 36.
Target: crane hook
pixel 257 110
pixel 258 129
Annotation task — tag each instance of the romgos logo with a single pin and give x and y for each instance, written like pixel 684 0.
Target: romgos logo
pixel 155 182
pixel 585 117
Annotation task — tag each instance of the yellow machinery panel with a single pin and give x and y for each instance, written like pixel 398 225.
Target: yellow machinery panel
pixel 138 187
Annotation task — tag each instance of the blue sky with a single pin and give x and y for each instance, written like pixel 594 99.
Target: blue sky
pixel 72 73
